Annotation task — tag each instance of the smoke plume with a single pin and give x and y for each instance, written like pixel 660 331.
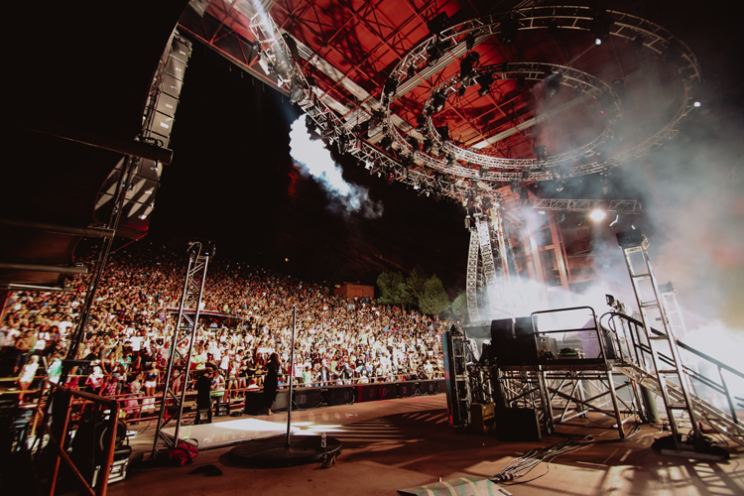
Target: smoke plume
pixel 313 158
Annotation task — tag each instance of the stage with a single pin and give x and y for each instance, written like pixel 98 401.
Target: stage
pixel 230 432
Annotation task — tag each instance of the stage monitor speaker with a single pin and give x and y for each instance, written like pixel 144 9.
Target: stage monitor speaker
pixel 517 425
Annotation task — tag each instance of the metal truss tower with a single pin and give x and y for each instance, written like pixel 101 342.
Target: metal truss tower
pixel 184 335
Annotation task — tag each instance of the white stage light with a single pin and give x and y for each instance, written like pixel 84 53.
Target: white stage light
pixel 597 215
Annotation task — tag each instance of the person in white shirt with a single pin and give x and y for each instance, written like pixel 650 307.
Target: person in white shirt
pixel 27 375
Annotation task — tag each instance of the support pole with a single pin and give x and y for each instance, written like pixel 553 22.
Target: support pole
pixel 291 374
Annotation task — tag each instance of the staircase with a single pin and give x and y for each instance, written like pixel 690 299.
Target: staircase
pixel 721 421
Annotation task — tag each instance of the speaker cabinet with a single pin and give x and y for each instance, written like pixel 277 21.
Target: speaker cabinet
pixel 517 425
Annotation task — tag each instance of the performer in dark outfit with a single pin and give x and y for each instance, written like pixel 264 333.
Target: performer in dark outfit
pixel 203 399
pixel 271 381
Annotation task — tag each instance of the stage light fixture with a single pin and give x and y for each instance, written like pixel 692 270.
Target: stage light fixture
pixel 435 52
pixel 559 184
pixel 368 164
pixel 428 144
pixel 461 91
pixel 520 81
pixel 485 81
pixel 508 30
pixel 386 143
pixel 697 104
pixel 414 143
pixel 450 160
pixel 410 72
pixel 483 170
pixel 390 86
pixel 444 133
pixel 600 28
pixel 597 215
pixel 438 101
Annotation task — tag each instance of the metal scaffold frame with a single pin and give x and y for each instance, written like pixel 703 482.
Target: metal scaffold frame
pixel 193 288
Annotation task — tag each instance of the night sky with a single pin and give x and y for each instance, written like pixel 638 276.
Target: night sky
pixel 232 180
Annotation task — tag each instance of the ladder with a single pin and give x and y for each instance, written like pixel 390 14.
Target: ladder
pixel 672 381
pixel 676 319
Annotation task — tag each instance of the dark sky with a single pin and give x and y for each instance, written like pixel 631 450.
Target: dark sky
pixel 233 180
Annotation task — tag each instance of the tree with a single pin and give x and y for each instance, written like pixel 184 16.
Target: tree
pixel 460 306
pixel 434 299
pixel 392 288
pixel 415 285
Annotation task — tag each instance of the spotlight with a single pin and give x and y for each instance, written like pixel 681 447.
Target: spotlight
pixel 597 215
pixel 470 41
pixel 343 144
pixel 697 104
pixel 461 91
pixel 390 86
pixel 485 81
pixel 438 24
pixel 411 71
pixel 414 143
pixel 368 164
pixel 438 101
pixel 483 170
pixel 558 184
pixel 450 160
pixel 508 30
pixel 428 144
pixel 386 143
pixel 601 25
pixel 444 133
pixel 421 121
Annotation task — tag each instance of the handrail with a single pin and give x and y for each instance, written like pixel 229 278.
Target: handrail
pixel 681 344
pixel 721 388
pixel 596 327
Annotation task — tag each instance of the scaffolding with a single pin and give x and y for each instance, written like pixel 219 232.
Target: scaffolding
pixel 184 336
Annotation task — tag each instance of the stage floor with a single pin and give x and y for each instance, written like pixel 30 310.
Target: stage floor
pixel 228 433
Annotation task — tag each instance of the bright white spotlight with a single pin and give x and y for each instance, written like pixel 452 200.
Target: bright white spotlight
pixel 597 215
pixel 697 104
pixel 598 41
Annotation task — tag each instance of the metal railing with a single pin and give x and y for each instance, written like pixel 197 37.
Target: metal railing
pixel 639 351
pixel 65 407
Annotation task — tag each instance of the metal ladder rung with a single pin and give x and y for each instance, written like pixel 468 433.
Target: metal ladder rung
pixel 669 371
pixel 658 338
pixel 641 277
pixel 650 304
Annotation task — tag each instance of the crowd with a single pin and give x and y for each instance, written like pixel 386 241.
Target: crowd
pixel 127 341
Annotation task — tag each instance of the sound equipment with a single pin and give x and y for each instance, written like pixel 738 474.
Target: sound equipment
pixel 406 389
pixel 387 391
pixel 482 419
pixel 340 395
pixel 517 425
pixel 513 342
pixel 223 410
pixel 305 398
pixel 366 392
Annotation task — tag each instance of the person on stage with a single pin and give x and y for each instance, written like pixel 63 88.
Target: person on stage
pixel 203 395
pixel 271 382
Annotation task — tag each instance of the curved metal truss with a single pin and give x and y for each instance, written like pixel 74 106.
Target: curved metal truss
pixel 582 82
pixel 442 176
pixel 626 26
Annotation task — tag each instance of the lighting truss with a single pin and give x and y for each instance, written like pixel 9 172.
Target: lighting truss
pixel 615 206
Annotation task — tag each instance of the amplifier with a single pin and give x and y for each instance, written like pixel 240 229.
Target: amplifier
pixel 517 425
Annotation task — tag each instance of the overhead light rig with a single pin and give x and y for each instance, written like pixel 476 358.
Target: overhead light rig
pixel 383 144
